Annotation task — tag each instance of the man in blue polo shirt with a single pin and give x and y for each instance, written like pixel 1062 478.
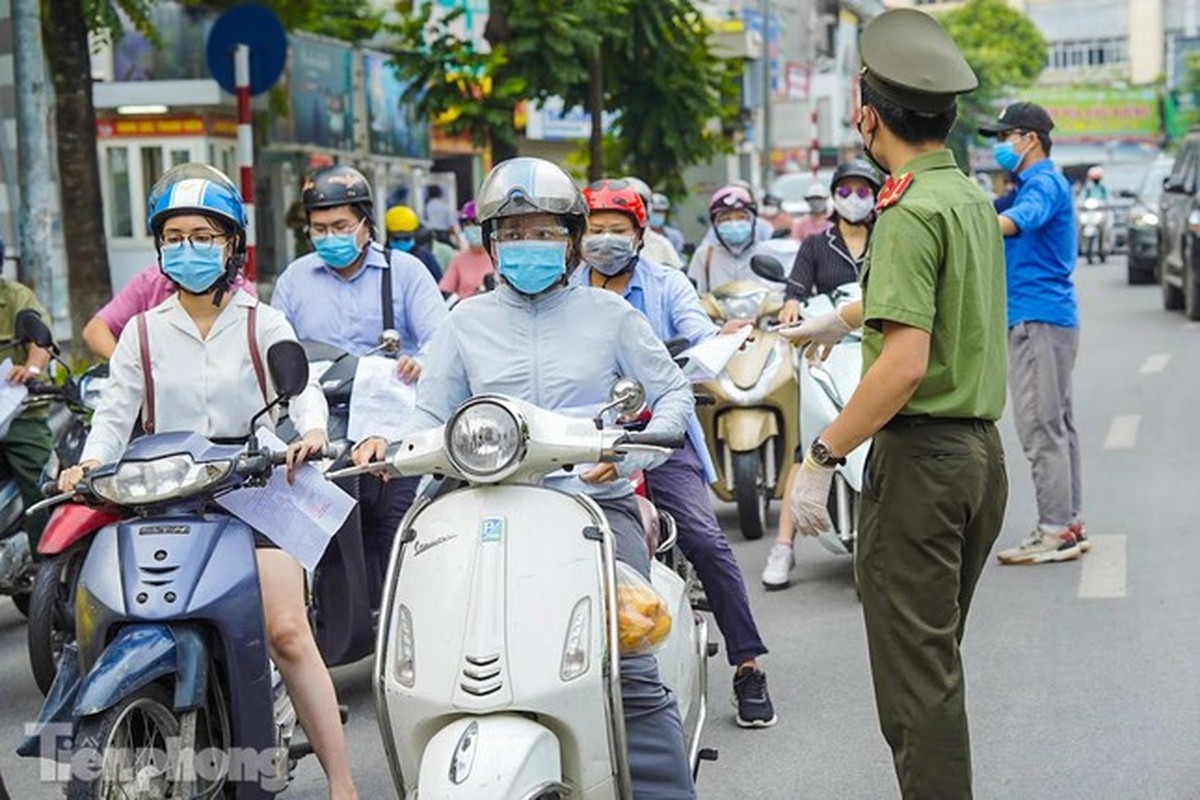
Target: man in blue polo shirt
pixel 1038 223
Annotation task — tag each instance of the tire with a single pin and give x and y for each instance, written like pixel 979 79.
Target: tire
pixel 1139 276
pixel 52 614
pixel 750 494
pixel 1089 248
pixel 1172 295
pixel 1191 291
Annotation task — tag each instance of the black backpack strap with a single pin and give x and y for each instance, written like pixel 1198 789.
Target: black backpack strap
pixel 385 291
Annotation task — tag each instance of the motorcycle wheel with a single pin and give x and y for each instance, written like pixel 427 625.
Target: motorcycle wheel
pixel 1090 249
pixel 750 493
pixel 52 614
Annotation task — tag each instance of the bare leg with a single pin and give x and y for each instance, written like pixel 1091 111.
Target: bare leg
pixel 294 651
pixel 787 530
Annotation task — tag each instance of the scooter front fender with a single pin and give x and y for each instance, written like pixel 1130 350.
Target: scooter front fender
pixel 746 429
pixel 139 655
pixel 480 758
pixel 69 523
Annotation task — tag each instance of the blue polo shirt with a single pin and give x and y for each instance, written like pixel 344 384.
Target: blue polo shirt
pixel 1040 259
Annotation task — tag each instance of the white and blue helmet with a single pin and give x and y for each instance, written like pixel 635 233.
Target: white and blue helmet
pixel 196 189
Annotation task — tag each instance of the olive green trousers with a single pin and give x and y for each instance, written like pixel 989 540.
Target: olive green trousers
pixel 934 496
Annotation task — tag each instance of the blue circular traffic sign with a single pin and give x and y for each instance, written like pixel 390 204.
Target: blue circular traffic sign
pixel 257 27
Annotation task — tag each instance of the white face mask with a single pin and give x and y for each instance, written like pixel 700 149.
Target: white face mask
pixel 854 209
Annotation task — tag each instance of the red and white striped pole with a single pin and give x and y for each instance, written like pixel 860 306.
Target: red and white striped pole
pixel 814 151
pixel 241 74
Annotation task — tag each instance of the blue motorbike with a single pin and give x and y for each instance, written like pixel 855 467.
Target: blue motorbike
pixel 167 691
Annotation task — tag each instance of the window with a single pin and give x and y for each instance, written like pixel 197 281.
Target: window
pixel 180 157
pixel 120 216
pixel 152 169
pixel 1087 53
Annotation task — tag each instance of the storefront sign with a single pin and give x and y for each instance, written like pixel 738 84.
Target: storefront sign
pixel 1082 114
pixel 551 122
pixel 157 127
pixel 393 128
pixel 320 90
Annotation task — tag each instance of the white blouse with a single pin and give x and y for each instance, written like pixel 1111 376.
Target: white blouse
pixel 203 385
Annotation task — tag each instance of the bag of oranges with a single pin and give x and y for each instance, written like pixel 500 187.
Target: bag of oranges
pixel 643 619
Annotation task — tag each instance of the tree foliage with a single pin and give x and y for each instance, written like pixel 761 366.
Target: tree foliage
pixel 1001 44
pixel 658 75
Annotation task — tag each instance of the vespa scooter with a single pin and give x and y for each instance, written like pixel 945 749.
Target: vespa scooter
pixel 497 669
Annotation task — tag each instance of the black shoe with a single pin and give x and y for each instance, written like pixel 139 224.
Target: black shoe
pixel 753 702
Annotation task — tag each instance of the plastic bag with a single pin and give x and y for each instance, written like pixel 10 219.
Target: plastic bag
pixel 643 619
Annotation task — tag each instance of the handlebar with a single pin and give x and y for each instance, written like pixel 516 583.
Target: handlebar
pixel 669 441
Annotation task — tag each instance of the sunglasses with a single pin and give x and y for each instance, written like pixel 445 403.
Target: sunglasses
pixel 845 191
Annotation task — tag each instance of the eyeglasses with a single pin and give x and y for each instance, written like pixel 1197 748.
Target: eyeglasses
pixel 198 240
pixel 543 234
pixel 845 191
pixel 339 228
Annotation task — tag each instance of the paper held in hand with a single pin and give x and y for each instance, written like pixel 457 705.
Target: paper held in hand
pixel 380 401
pixel 12 395
pixel 707 360
pixel 301 517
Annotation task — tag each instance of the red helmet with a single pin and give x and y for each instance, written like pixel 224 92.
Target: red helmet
pixel 616 195
pixel 731 196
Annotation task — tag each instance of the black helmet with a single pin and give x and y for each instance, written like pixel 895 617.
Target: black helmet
pixel 331 187
pixel 856 169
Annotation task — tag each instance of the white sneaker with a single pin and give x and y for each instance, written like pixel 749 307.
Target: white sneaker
pixel 780 563
pixel 1042 547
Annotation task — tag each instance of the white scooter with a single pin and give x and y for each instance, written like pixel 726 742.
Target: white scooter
pixel 825 386
pixel 497 666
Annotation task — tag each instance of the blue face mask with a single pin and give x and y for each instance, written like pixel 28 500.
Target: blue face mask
pixel 195 269
pixel 531 267
pixel 657 219
pixel 474 235
pixel 404 243
pixel 338 250
pixel 1006 156
pixel 736 232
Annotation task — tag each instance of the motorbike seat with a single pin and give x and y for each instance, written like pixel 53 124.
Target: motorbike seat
pixel 651 524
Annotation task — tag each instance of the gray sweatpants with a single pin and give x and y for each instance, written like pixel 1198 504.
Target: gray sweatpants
pixel 1040 360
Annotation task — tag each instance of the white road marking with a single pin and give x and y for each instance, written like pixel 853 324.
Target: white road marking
pixel 1122 433
pixel 1156 363
pixel 1104 573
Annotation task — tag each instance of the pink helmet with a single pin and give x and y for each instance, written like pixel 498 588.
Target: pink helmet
pixel 467 213
pixel 731 197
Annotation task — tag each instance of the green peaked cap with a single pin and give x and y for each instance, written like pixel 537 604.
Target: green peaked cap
pixel 909 59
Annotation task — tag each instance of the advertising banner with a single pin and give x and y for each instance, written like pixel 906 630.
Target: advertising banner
pixel 393 129
pixel 1100 114
pixel 320 91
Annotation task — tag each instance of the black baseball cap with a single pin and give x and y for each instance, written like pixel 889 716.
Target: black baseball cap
pixel 1019 116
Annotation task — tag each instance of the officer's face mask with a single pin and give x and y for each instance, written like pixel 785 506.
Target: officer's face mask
pixel 610 254
pixel 862 116
pixel 194 268
pixel 339 250
pixel 531 267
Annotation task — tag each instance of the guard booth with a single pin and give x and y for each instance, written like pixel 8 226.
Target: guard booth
pixel 134 152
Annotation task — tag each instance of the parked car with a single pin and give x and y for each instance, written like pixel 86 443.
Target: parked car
pixel 1179 259
pixel 1145 226
pixel 791 187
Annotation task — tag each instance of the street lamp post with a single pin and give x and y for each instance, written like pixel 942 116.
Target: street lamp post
pixel 765 14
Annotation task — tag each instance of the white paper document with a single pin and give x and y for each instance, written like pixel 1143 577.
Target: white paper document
pixel 301 517
pixel 380 401
pixel 707 360
pixel 12 395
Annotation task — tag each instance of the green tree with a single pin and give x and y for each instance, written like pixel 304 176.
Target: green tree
pixel 1005 49
pixel 650 64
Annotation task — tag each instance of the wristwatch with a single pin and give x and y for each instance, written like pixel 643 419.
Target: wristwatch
pixel 823 456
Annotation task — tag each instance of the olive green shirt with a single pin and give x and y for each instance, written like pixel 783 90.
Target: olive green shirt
pixel 936 262
pixel 14 298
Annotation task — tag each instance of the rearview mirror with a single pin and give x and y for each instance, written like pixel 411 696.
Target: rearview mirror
pixel 289 368
pixel 1126 193
pixel 627 396
pixel 768 268
pixel 30 328
pixel 1172 187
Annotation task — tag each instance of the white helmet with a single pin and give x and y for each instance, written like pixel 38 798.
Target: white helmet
pixel 816 191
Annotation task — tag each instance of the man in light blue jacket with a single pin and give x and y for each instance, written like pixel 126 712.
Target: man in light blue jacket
pixel 616 223
pixel 561 348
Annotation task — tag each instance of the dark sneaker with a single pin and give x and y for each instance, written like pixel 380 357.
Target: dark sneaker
pixel 1080 531
pixel 752 700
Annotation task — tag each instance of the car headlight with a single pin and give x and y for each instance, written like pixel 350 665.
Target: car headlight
pixel 742 306
pixel 159 480
pixel 486 439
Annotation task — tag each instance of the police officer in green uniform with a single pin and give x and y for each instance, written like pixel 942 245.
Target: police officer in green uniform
pixel 933 384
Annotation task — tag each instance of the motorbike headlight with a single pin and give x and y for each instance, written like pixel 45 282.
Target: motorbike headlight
pixel 1150 219
pixel 159 480
pixel 406 651
pixel 575 649
pixel 743 306
pixel 485 438
pixel 89 390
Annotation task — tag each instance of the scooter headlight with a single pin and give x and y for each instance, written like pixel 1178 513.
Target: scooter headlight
pixel 575 649
pixel 743 306
pixel 486 439
pixel 159 480
pixel 406 651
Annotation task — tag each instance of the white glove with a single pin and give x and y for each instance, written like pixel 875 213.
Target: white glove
pixel 822 333
pixel 810 499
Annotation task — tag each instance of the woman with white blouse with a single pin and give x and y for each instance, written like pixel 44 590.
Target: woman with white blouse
pixel 207 377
